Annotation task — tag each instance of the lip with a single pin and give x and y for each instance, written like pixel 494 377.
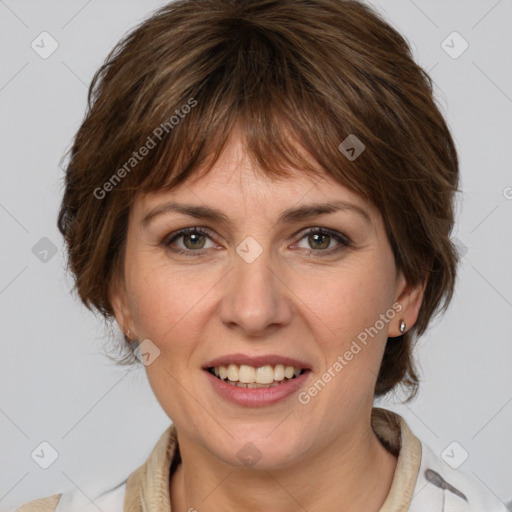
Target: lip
pixel 256 397
pixel 256 361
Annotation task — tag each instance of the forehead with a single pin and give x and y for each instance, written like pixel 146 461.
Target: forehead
pixel 234 183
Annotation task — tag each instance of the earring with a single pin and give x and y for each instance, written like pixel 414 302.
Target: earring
pixel 402 326
pixel 127 336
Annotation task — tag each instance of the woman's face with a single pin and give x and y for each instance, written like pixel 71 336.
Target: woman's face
pixel 257 286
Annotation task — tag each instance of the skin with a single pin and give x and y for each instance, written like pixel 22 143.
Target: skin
pixel 292 301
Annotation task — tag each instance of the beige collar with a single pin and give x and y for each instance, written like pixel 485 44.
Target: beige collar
pixel 395 435
pixel 147 488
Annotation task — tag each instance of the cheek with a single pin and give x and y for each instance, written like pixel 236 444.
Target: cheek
pixel 344 312
pixel 166 302
pixel 346 301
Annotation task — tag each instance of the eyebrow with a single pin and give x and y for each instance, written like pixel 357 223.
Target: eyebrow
pixel 286 217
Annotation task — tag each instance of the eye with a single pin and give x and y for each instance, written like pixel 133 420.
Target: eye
pixel 320 240
pixel 193 241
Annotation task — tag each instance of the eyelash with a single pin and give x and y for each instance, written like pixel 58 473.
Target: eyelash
pixel 339 237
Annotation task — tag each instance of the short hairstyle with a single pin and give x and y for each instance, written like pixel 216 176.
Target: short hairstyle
pixel 298 77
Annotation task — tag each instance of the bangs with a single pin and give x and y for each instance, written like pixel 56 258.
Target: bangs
pixel 249 84
pixel 276 144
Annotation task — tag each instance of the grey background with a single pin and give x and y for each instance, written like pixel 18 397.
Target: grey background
pixel 56 385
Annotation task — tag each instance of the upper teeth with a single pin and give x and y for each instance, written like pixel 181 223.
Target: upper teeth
pixel 249 374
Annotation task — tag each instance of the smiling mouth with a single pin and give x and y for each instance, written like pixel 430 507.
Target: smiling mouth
pixel 245 376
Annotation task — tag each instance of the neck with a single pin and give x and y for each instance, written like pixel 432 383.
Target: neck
pixel 355 473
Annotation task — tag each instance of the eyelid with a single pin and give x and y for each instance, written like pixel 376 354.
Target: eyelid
pixel 344 239
pixel 185 231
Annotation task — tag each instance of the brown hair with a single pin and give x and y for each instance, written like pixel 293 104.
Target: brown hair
pixel 293 74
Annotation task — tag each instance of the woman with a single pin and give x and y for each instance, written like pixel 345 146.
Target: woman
pixel 261 195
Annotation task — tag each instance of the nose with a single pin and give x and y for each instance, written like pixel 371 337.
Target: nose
pixel 256 299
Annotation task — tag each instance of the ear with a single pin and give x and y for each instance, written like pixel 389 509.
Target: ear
pixel 118 300
pixel 410 297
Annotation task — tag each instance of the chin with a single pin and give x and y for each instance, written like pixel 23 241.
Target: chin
pixel 259 450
